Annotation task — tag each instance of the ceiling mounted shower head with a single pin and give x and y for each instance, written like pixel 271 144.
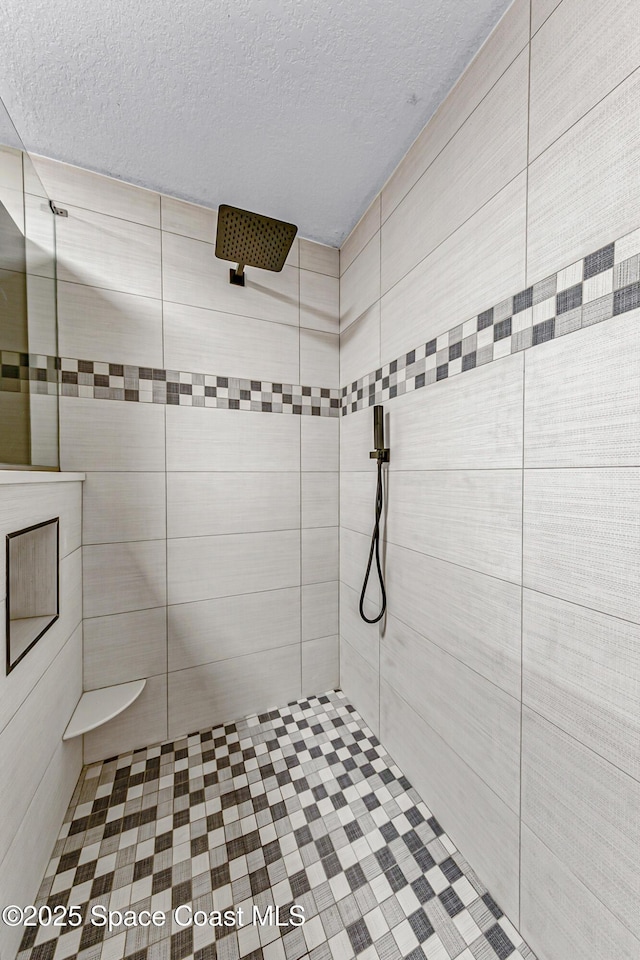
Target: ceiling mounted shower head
pixel 252 240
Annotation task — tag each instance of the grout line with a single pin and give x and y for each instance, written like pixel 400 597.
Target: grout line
pixel 166 490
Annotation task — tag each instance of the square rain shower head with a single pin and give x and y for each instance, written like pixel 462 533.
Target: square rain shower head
pixel 253 240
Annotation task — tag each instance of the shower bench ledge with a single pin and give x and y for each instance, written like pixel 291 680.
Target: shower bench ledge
pixel 99 706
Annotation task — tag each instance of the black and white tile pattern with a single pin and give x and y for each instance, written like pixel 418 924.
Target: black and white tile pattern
pixel 300 806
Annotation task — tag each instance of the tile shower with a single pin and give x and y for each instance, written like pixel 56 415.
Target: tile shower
pixel 487 732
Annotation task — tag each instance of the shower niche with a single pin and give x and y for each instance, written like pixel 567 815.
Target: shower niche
pixel 33 596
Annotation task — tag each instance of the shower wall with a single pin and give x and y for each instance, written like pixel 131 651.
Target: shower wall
pixel 209 523
pixel 490 298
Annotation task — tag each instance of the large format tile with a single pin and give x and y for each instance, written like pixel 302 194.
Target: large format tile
pixel 230 345
pixel 469 517
pixel 482 629
pixel 582 403
pixel 104 251
pixel 488 150
pixel 188 219
pixel 319 499
pixel 504 43
pixel 471 270
pixel 119 577
pixel 360 283
pixel 203 568
pixel 67 184
pixel 23 505
pixel 356 440
pixel 122 327
pixel 581 670
pixel 560 917
pixel 104 435
pixel 232 440
pixel 318 257
pixel 363 637
pixel 120 506
pixel 41 309
pixel 319 554
pixel 576 60
pixel 212 630
pixel 585 811
pixel 357 501
pixel 320 665
pixel 541 10
pixel 144 722
pixel 573 208
pixel 580 537
pixel 354 553
pixel 210 694
pixel 360 682
pixel 207 504
pixel 478 821
pixel 462 707
pixel 320 443
pixel 474 421
pixel 366 227
pixel 319 610
pixel 360 345
pixel 319 359
pixel 319 301
pixel 191 274
pixel 124 646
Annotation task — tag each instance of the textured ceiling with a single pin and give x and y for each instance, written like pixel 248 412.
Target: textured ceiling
pixel 299 109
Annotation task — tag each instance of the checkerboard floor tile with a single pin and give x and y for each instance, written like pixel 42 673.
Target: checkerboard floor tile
pixel 300 809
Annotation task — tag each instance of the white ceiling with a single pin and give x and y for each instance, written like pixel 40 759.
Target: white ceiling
pixel 299 109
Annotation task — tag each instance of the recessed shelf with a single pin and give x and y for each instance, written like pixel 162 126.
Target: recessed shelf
pixel 99 706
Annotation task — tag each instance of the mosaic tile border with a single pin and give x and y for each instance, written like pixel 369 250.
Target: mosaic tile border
pixel 602 285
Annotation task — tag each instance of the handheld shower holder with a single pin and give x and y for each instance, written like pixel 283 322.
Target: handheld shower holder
pixel 382 455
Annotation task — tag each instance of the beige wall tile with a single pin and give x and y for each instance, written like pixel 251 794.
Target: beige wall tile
pixel 318 257
pixel 101 435
pixel 360 283
pixel 357 501
pixel 319 359
pixel 360 683
pixel 319 610
pixel 360 346
pixel 319 301
pixel 319 554
pixel 212 630
pixel 356 440
pixel 320 499
pixel 580 537
pixel 320 666
pixel 540 11
pixel 366 227
pixel 188 219
pixel 362 637
pixel 119 577
pixel 124 646
pixel 320 441
pixel 123 506
pixel 354 553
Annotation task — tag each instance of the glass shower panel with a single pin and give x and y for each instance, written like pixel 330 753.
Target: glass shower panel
pixel 28 328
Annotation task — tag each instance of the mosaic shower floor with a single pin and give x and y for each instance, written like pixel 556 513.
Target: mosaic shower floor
pixel 300 809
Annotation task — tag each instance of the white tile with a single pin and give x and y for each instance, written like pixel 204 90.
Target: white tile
pixel 473 421
pixel 319 301
pixel 319 257
pixel 16 687
pixel 582 403
pixel 207 504
pixel 577 58
pixel 356 439
pixel 320 665
pixel 123 506
pixel 103 251
pixel 360 683
pixel 34 732
pixel 581 670
pixel 483 631
pixel 193 275
pixel 319 554
pixel 487 152
pixel 212 630
pixel 141 724
pixel 540 11
pixel 360 346
pixel 491 245
pixel 319 359
pixel 119 577
pixel 229 345
pixel 485 829
pixel 320 441
pixel 67 185
pixel 573 209
pixel 188 219
pixel 363 637
pixel 319 610
pixel 462 707
pixel 124 646
pixel 98 324
pixel 580 537
pixel 360 283
pixel 357 501
pixel 366 227
pixel 232 440
pixel 203 568
pixel 354 553
pixel 560 916
pixel 22 869
pixel 41 313
pixel 214 693
pixel 319 499
pixel 101 435
pixel 468 517
pixel 504 43
pixel 584 809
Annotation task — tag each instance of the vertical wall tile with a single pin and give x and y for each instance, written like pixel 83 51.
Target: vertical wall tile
pixel 319 499
pixel 319 610
pixel 319 554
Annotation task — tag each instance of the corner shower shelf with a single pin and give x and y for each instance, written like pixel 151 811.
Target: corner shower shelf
pixel 98 706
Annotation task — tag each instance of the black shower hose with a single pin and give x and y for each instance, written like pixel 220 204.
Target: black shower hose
pixel 375 546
